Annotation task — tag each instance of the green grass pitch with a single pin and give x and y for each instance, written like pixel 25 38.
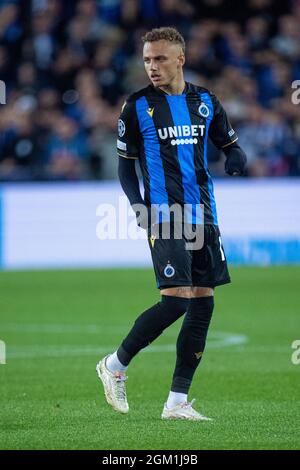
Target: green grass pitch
pixel 57 324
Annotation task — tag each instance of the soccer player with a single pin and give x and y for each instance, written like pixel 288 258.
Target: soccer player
pixel 166 127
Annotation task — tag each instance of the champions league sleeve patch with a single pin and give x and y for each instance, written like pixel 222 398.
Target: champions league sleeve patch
pixel 121 128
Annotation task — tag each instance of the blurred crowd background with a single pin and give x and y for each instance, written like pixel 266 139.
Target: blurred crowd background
pixel 69 65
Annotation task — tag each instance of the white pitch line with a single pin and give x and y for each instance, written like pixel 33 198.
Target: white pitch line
pixel 39 351
pixel 60 328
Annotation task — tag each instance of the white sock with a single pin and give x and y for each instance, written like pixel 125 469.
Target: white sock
pixel 113 364
pixel 175 398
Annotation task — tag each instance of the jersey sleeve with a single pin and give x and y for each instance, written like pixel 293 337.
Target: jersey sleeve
pixel 128 132
pixel 220 131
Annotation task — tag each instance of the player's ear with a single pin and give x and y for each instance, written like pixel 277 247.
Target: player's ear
pixel 181 60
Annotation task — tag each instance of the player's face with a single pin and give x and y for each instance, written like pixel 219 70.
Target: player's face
pixel 163 62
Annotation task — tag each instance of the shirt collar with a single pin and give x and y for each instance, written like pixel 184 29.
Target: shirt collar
pixel 161 92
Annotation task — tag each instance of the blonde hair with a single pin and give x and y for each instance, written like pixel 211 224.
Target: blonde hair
pixel 167 33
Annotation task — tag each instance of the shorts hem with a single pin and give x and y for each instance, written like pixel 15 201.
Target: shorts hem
pixel 190 284
pixel 213 284
pixel 167 284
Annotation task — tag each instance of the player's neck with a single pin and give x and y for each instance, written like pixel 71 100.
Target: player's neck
pixel 174 88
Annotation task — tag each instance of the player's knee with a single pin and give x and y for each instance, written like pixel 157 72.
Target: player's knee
pixel 162 314
pixel 174 305
pixel 200 312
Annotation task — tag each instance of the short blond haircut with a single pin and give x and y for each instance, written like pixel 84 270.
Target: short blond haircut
pixel 167 33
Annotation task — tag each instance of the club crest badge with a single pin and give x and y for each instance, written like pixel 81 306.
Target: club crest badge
pixel 169 271
pixel 203 110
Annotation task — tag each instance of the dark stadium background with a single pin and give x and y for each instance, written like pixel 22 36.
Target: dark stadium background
pixel 68 67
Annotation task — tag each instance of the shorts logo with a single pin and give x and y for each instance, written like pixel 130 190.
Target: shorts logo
pixel 121 128
pixel 203 110
pixel 169 271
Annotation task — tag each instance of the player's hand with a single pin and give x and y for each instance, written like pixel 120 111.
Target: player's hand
pixel 236 159
pixel 235 165
pixel 143 215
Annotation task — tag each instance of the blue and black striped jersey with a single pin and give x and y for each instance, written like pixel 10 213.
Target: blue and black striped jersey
pixel 168 135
